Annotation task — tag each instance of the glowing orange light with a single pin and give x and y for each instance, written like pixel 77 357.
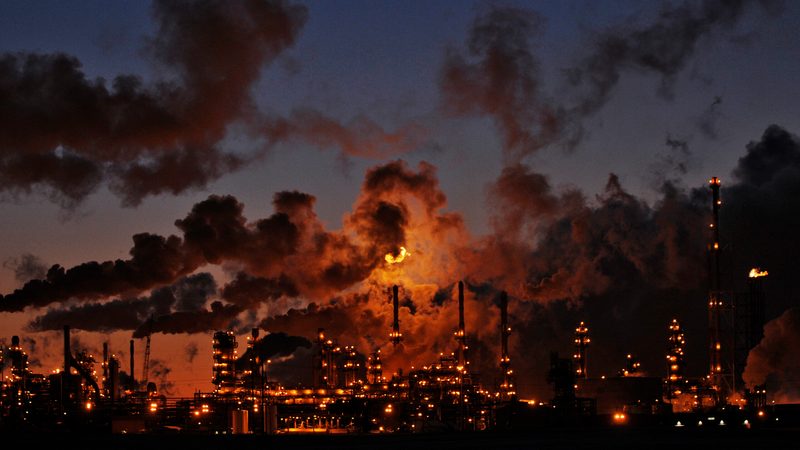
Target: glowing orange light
pixel 755 272
pixel 391 259
pixel 620 418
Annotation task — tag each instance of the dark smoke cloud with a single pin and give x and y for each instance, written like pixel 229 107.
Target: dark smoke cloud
pixel 498 75
pixel 248 291
pixel 217 316
pixel 159 374
pixel 155 260
pixel 65 135
pixel 143 140
pixel 187 294
pixel 274 345
pixel 584 249
pixel 623 265
pixel 662 48
pixel 26 267
pixel 362 137
pixel 215 230
pixel 774 360
pixel 500 78
pixel 628 267
pixel 759 210
pixel 338 319
pixel 287 255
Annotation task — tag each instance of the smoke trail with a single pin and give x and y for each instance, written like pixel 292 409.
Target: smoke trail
pixel 499 74
pixel 26 267
pixel 500 78
pixel 66 135
pixel 191 352
pixel 142 139
pixel 662 48
pixel 187 294
pixel 274 345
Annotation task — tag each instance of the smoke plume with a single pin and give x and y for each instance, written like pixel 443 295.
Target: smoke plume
pixel 26 267
pixel 274 345
pixel 774 360
pixel 159 374
pixel 499 75
pixel 66 135
pixel 661 48
pixel 500 78
pixel 187 294
pixel 141 139
pixel 191 352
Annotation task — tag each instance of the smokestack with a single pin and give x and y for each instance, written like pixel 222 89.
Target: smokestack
pixel 105 362
pixel 113 373
pixel 131 373
pixel 461 335
pixel 67 353
pixel 395 335
pixel 461 306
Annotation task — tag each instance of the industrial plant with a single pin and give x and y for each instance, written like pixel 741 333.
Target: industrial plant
pixel 352 393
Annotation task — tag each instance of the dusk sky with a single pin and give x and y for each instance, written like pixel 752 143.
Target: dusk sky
pixel 520 110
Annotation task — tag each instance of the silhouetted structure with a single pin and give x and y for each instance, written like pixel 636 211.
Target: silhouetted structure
pixel 582 341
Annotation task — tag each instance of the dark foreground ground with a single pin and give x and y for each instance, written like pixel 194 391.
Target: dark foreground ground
pixel 562 438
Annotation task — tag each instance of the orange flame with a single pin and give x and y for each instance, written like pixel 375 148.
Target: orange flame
pixel 391 259
pixel 755 272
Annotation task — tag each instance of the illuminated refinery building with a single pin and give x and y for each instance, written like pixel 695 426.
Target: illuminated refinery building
pixel 675 355
pixel 325 361
pixel 224 356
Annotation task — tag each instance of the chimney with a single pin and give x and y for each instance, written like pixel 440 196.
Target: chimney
pixel 395 335
pixel 131 373
pixel 105 361
pixel 461 335
pixel 67 352
pixel 461 306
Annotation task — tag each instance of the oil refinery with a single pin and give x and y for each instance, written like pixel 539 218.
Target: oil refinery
pixel 352 393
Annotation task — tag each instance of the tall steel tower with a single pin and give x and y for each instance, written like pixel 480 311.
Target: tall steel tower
pixel 720 310
pixel 582 341
pixel 507 386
